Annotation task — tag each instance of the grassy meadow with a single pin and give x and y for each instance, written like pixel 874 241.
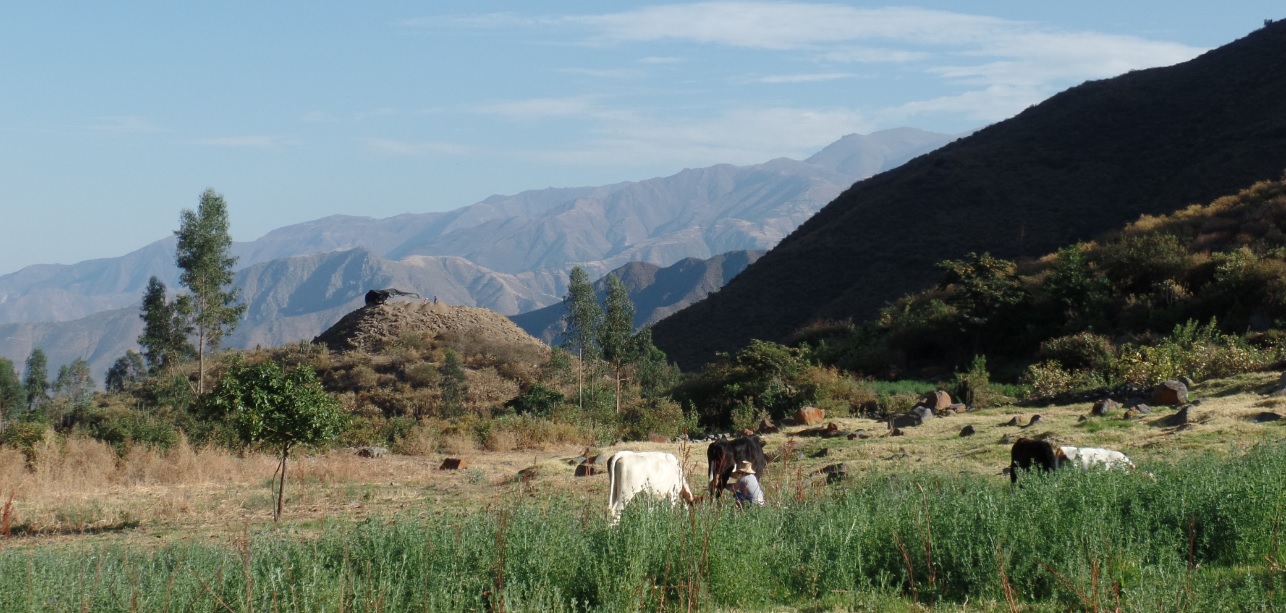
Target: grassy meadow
pixel 923 521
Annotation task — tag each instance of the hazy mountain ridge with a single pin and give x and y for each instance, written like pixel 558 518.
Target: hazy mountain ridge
pixel 1084 162
pixel 538 235
pixel 656 292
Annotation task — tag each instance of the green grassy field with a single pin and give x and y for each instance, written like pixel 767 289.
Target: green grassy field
pixel 923 522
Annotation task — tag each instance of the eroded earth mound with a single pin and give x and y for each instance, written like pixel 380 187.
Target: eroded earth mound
pixel 376 328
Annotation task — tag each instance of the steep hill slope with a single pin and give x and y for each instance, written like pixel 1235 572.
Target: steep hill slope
pixel 1083 162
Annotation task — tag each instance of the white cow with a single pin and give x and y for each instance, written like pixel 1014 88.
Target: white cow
pixel 1091 457
pixel 631 472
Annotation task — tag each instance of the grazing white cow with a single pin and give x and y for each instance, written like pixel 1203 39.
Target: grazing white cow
pixel 1094 457
pixel 631 472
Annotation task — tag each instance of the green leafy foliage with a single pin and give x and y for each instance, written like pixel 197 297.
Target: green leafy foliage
pixel 278 408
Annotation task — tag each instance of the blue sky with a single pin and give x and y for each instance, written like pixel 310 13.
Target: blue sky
pixel 114 116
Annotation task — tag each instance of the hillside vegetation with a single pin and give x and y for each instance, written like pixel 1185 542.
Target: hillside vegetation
pixel 1198 293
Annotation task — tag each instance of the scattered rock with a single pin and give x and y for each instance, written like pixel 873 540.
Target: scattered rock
pixel 821 453
pixel 1130 414
pixel 947 413
pixel 967 431
pixel 859 434
pixel 767 427
pixel 527 474
pixel 1170 393
pixel 1104 406
pixel 897 432
pixel 1186 382
pixel 586 470
pixel 923 412
pixel 371 452
pixel 958 407
pixel 453 464
pixel 1142 409
pixel 810 415
pixel 1008 439
pixel 902 421
pixel 937 400
pixel 1082 418
pixel 834 472
pixel 1178 419
pixel 1012 422
pixel 1034 419
pixel 1266 416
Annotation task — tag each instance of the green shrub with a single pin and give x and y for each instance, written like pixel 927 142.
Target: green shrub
pixel 1085 350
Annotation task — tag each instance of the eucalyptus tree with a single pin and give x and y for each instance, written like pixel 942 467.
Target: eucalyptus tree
pixel 165 328
pixel 615 333
pixel 581 322
pixel 13 396
pixel 204 258
pixel 36 379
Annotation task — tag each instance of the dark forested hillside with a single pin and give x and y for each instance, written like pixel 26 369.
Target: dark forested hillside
pixel 1084 162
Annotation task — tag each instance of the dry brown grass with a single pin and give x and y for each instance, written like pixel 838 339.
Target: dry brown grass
pixel 79 485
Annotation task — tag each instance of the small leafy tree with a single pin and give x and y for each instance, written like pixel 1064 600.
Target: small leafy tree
pixel 125 372
pixel 278 409
pixel 206 264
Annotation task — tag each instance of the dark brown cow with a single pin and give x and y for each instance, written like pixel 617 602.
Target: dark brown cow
pixel 1030 453
pixel 723 455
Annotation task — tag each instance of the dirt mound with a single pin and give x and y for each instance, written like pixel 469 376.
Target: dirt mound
pixel 375 328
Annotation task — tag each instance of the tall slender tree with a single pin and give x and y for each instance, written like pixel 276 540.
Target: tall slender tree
pixel 206 265
pixel 36 380
pixel 165 328
pixel 615 333
pixel 580 322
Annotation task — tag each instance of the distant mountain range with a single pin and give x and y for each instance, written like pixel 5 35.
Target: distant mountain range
pixel 511 254
pixel 1082 163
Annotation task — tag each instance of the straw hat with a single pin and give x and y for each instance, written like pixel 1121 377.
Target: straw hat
pixel 745 468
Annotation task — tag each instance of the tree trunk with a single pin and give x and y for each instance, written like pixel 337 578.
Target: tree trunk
pixel 281 491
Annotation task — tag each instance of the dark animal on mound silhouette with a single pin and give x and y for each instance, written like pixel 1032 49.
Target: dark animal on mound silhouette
pixel 380 296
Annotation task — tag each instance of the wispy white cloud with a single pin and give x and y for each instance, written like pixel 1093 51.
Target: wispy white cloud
pixel 246 141
pixel 657 60
pixel 404 148
pixel 617 73
pixel 984 59
pixel 738 136
pixel 124 124
pixel 315 117
pixel 548 108
pixel 805 78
